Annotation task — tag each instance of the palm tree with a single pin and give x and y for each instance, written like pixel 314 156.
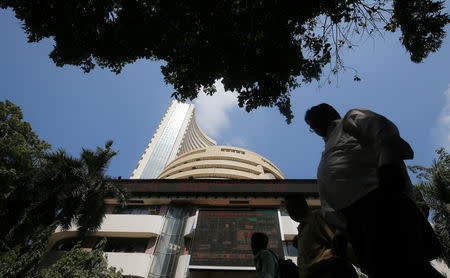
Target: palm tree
pixel 434 183
pixel 67 191
pixel 40 190
pixel 71 191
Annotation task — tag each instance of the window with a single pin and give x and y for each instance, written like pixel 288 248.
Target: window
pixel 136 209
pixel 68 243
pixel 232 150
pixel 113 244
pixel 187 245
pixel 128 245
pixel 289 249
pixel 65 244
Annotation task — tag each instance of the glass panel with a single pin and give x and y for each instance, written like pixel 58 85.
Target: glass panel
pixel 158 158
pixel 156 264
pixel 162 244
pixel 169 243
pixel 171 264
pixel 289 249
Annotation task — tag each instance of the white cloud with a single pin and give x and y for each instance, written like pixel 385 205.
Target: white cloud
pixel 442 130
pixel 237 142
pixel 212 112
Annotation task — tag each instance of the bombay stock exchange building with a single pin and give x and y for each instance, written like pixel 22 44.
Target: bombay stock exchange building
pixel 193 207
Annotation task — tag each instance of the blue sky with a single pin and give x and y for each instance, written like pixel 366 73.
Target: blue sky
pixel 72 110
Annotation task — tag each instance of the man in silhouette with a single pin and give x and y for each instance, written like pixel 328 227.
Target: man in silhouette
pixel 362 175
pixel 322 246
pixel 265 262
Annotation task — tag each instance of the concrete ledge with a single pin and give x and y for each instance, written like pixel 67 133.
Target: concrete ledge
pixel 118 225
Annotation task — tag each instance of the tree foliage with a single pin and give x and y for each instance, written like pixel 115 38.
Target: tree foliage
pixel 260 49
pixel 23 261
pixel 41 190
pixel 20 151
pixel 80 264
pixel 20 154
pixel 434 183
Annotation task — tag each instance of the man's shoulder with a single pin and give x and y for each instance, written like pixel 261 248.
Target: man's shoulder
pixel 358 111
pixel 358 118
pixel 267 255
pixel 265 252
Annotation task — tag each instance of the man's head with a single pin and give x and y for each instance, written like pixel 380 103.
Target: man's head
pixel 259 241
pixel 319 118
pixel 297 207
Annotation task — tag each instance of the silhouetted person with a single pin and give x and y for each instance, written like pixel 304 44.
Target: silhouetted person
pixel 322 246
pixel 362 175
pixel 265 262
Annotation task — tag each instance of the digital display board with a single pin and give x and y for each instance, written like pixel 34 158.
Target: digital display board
pixel 222 237
pixel 275 187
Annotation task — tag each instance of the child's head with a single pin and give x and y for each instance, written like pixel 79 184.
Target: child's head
pixel 259 241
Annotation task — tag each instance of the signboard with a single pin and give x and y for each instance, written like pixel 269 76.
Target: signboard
pixel 222 237
pixel 220 186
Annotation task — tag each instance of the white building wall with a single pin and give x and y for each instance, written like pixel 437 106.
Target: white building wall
pixel 182 266
pixel 289 227
pixel 150 224
pixel 132 264
pixel 127 223
pixel 119 225
pixel 189 228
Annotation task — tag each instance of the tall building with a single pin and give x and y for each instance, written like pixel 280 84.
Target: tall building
pixel 177 134
pixel 193 207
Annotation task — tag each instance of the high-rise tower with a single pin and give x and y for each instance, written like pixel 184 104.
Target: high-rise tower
pixel 177 133
pixel 192 207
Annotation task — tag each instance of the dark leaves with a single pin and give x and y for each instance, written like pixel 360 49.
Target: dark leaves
pixel 40 189
pixel 263 50
pixel 78 263
pixel 422 26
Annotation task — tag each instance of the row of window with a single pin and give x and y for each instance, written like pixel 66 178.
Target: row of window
pixel 131 209
pixel 135 245
pixel 113 244
pixel 212 166
pixel 156 210
pixel 232 150
pixel 244 161
pixel 270 163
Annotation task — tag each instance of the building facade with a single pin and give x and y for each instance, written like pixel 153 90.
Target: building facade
pixel 221 162
pixel 193 207
pixel 176 134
